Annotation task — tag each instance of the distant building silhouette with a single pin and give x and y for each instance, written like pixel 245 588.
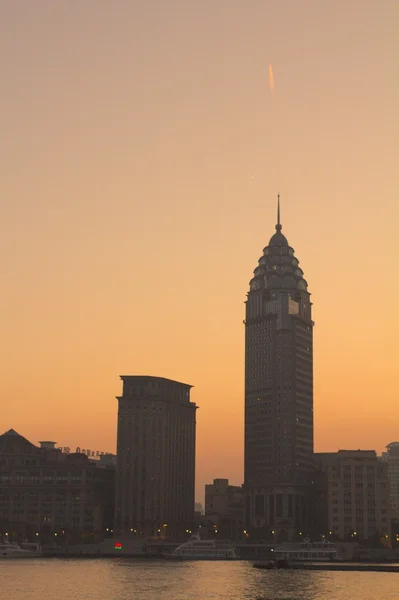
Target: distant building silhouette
pixel 199 508
pixel 155 473
pixel 46 494
pixel 278 464
pixel 357 488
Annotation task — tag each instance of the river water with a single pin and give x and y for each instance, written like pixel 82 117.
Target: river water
pixel 124 579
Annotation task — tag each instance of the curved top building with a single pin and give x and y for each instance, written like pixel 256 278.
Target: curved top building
pixel 278 392
pixel 278 268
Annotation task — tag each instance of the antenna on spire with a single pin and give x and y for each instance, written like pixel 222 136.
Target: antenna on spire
pixel 278 226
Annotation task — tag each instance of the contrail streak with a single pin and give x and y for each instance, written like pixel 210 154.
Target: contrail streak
pixel 271 78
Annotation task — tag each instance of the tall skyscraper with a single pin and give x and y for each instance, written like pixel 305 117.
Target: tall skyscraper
pixel 278 393
pixel 155 467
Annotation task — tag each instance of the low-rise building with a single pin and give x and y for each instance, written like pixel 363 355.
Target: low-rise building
pixel 357 493
pixel 47 494
pixel 224 509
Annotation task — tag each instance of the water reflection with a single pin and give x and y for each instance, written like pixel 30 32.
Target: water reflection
pixel 152 580
pixel 289 585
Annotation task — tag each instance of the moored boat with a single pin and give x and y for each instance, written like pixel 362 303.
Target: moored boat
pixel 14 550
pixel 306 551
pixel 197 549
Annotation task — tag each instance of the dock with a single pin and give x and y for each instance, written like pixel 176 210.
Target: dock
pixel 386 568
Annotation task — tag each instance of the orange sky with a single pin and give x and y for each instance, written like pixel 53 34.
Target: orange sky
pixel 131 218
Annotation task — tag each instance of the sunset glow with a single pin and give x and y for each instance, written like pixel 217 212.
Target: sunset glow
pixel 131 225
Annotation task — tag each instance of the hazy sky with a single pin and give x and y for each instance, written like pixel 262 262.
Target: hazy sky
pixel 131 222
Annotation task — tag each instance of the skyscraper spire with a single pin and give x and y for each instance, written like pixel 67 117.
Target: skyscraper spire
pixel 278 226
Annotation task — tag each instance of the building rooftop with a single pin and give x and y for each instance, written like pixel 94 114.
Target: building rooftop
pixel 148 378
pixel 14 435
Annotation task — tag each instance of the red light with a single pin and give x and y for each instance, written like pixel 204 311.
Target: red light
pixel 118 546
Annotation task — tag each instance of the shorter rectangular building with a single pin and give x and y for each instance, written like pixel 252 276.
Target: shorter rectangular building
pixel 155 469
pixel 357 494
pixel 224 509
pixel 220 497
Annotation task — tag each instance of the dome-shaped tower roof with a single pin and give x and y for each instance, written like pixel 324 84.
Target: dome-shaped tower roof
pixel 278 267
pixel 278 239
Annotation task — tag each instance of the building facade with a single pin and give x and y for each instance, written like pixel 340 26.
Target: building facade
pixel 224 509
pixel 391 457
pixel 45 493
pixel 155 471
pixel 357 485
pixel 278 464
pixel 220 496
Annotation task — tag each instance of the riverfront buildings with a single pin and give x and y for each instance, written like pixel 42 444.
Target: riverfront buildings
pixel 155 458
pixel 357 485
pixel 49 494
pixel 278 467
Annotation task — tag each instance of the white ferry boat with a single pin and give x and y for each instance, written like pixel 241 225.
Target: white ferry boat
pixel 197 549
pixel 306 551
pixel 13 550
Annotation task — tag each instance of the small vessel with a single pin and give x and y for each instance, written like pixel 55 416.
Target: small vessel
pixel 273 564
pixel 306 551
pixel 197 549
pixel 14 550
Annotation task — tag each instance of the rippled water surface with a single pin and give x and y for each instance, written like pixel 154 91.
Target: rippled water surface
pixel 123 579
